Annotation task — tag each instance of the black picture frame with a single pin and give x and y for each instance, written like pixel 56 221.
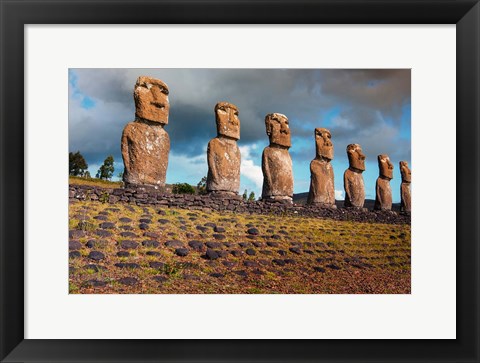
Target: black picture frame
pixel 15 14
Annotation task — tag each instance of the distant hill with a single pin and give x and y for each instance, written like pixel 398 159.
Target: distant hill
pixel 301 198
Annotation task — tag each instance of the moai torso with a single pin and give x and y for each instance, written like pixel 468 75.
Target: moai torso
pixel 145 143
pixel 353 178
pixel 223 161
pixel 276 160
pixel 223 154
pixel 405 196
pixel 277 174
pixel 322 188
pixel 383 198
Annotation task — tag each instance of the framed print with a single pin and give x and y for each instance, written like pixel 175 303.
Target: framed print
pixel 172 262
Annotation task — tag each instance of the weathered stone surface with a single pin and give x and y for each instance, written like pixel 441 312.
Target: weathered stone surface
pixel 223 154
pixel 145 144
pixel 405 194
pixel 151 100
pixel 383 196
pixel 276 160
pixel 353 178
pixel 322 188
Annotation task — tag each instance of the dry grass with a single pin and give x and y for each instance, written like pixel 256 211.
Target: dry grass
pixel 93 182
pixel 335 257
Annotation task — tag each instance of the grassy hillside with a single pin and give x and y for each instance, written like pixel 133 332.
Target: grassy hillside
pixel 130 249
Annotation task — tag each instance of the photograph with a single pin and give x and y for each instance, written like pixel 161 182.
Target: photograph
pixel 239 181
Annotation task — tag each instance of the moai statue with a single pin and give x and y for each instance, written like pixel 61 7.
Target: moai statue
pixel 405 196
pixel 322 189
pixel 223 153
pixel 276 160
pixel 383 197
pixel 145 143
pixel 353 178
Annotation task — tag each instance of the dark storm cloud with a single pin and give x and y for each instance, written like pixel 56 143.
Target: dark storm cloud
pixel 369 104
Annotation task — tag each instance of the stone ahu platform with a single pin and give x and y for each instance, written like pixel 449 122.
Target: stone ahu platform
pixel 234 204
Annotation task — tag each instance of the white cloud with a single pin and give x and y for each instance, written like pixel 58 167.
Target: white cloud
pixel 248 168
pixel 339 195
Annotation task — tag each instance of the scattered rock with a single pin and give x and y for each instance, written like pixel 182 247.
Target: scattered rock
pixel 125 220
pixel 96 255
pixel 151 243
pixel 156 265
pixel 295 250
pixel 128 244
pixel 103 233
pixel 130 265
pixel 250 252
pixel 273 244
pixel 99 243
pixel 219 229
pixel 107 225
pixel 252 231
pixel 214 245
pixel 94 283
pixel 242 273
pixel 319 269
pixel 74 254
pixel 333 266
pixel 217 275
pixel 74 245
pixel 181 252
pixel 196 245
pixel 128 235
pixel 129 281
pixel 211 254
pixel 219 236
pixel 278 262
pixel 174 244
pixel 76 234
pixel 123 253
pixel 153 253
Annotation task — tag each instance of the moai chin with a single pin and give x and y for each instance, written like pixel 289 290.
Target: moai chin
pixel 145 143
pixel 353 178
pixel 322 188
pixel 405 193
pixel 383 195
pixel 276 160
pixel 223 154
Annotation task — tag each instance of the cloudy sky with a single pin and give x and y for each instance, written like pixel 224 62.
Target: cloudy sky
pixel 370 107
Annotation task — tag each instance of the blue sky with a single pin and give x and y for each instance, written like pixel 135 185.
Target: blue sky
pixel 371 107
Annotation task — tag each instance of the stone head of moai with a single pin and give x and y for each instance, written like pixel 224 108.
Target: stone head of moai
pixel 405 171
pixel 151 100
pixel 356 157
pixel 385 166
pixel 323 143
pixel 278 130
pixel 228 123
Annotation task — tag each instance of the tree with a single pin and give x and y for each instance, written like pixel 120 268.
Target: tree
pixel 76 164
pixel 107 169
pixel 245 193
pixel 120 175
pixel 183 188
pixel 251 197
pixel 87 175
pixel 202 186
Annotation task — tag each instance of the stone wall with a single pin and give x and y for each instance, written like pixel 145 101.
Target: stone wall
pixel 141 196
